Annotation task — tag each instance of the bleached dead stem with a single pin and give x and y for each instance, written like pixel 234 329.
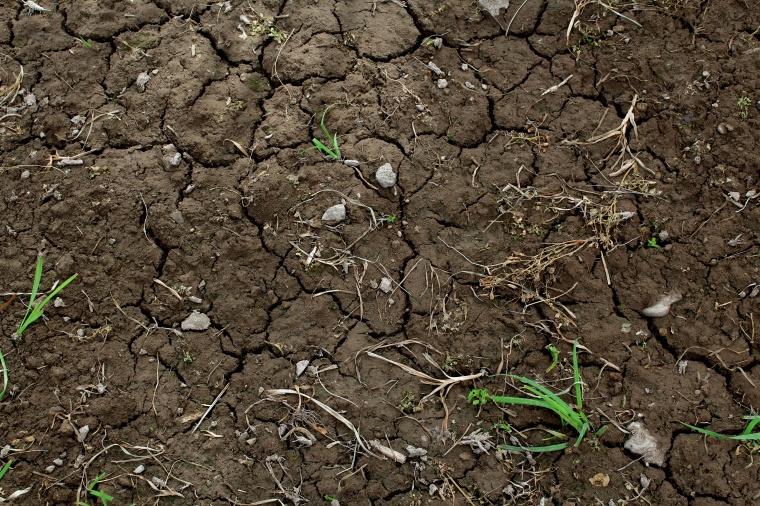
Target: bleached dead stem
pixel 442 385
pixel 330 411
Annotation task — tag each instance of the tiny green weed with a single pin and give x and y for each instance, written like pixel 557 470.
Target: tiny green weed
pixel 555 357
pixel 744 103
pixel 332 152
pixel 542 397
pixel 104 498
pixel 32 314
pixel 84 41
pixel 652 243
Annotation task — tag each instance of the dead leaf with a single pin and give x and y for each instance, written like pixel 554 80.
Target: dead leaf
pixel 600 480
pixel 493 6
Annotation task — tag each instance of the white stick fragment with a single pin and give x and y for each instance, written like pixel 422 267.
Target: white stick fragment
pixel 33 7
pixel 388 452
pixel 69 161
pixel 557 86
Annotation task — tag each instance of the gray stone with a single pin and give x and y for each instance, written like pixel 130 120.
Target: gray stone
pixel 142 81
pixel 385 176
pixel 335 214
pixel 196 321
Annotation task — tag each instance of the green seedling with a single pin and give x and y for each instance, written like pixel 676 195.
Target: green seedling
pixel 85 42
pixel 542 397
pixel 104 498
pixel 32 314
pixel 652 243
pixel 744 103
pixel 555 357
pixel 332 152
pixel 745 436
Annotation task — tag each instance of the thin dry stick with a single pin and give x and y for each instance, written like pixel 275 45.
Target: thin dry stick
pixel 443 385
pixel 172 290
pixel 211 406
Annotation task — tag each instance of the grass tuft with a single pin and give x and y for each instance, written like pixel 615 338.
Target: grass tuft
pixel 33 312
pixel 333 151
pixel 541 397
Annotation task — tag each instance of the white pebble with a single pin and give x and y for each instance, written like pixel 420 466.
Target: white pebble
pixel 142 81
pixel 386 285
pixel 385 175
pixel 335 214
pixel 442 83
pixel 301 367
pixel 662 306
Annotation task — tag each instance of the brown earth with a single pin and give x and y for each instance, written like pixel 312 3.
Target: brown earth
pixel 507 231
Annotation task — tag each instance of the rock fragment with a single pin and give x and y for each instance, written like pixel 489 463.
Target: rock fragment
pixel 335 214
pixel 385 175
pixel 142 81
pixel 196 321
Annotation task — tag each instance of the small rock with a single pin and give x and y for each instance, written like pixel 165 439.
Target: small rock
pixel 385 176
pixel 30 100
pixel 442 83
pixel 196 321
pixel 49 469
pixel 663 236
pixel 645 444
pixel 194 299
pixel 335 214
pixel 465 67
pixel 724 128
pixel 58 462
pixel 58 302
pixel 301 367
pixel 351 163
pixel 438 43
pixel 171 157
pixel 419 107
pixel 176 215
pixel 469 85
pixel 139 469
pixel 432 66
pixel 26 174
pixel 142 81
pixel 413 451
pixel 386 285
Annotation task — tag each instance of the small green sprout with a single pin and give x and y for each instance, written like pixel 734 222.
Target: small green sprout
pixel 391 218
pixel 32 314
pixel 541 397
pixel 555 357
pixel 744 103
pixel 85 42
pixel 652 243
pixel 104 498
pixel 332 152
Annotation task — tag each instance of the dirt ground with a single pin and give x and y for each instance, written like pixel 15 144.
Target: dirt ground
pixel 225 342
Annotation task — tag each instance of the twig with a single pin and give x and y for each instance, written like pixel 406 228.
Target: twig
pixel 211 406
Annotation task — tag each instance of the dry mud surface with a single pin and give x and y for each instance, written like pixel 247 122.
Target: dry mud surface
pixel 523 216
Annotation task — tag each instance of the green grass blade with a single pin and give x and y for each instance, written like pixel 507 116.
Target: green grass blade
pixel 581 433
pixel 535 449
pixel 37 311
pixel 577 378
pixel 707 432
pixel 563 409
pixel 35 287
pixel 5 469
pixel 523 401
pixel 753 420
